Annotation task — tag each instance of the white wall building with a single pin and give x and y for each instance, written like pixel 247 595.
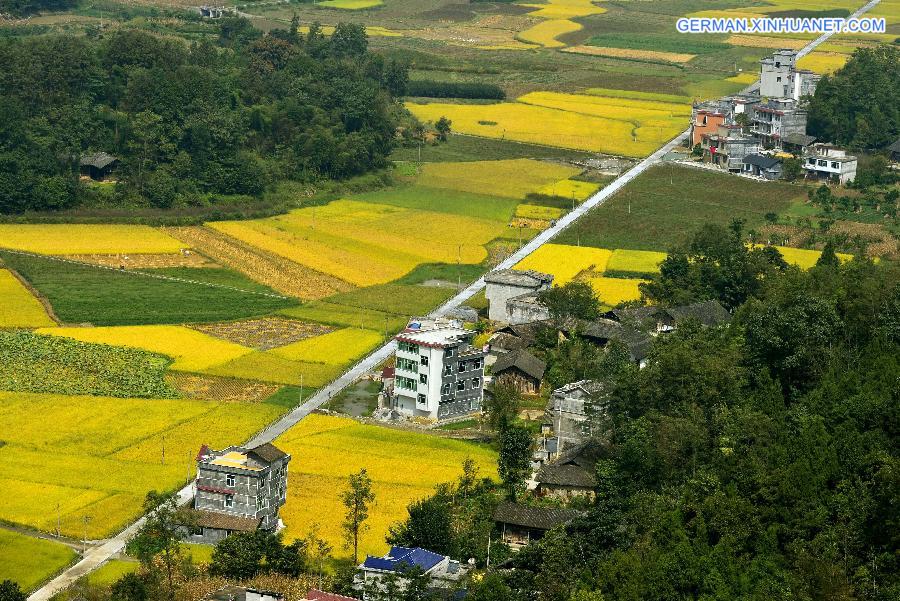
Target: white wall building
pixel 439 374
pixel 829 163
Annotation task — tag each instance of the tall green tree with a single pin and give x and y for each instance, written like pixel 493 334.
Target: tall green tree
pixel 160 536
pixel 356 500
pixel 514 459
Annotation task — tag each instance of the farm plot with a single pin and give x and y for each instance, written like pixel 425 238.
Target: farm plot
pixel 30 561
pixel 264 333
pixel 33 363
pixel 437 195
pixel 806 258
pixel 565 262
pixel 634 261
pixel 538 212
pixel 348 316
pixel 545 33
pixel 89 294
pixel 570 188
pixel 71 239
pixel 653 56
pixel 612 291
pixel 350 4
pixel 340 347
pixel 513 178
pixel 542 125
pixel 269 367
pixel 565 9
pixel 404 466
pixel 97 457
pixel 18 307
pixel 365 243
pixel 823 62
pixel 191 350
pixel 657 210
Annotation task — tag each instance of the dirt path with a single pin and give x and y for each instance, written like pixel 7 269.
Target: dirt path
pixel 275 272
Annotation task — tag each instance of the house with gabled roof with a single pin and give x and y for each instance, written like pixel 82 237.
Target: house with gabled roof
pixel 520 369
pixel 572 475
pixel 399 562
pixel 503 285
pixel 520 525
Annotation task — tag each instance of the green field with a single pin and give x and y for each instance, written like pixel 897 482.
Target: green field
pixel 86 294
pixel 31 561
pixel 469 148
pixel 665 205
pixel 32 363
pixel 443 200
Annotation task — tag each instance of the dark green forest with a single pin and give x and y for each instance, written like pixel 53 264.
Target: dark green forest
pixel 859 105
pixel 757 460
pixel 190 122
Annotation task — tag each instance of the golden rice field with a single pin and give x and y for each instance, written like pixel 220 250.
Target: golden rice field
pixel 565 9
pixel 513 178
pixel 77 456
pixel 367 243
pixel 612 291
pixel 190 349
pixel 570 188
pixel 638 95
pixel 29 561
pixel 335 348
pixel 266 366
pixel 626 109
pixel 743 78
pixel 823 62
pixel 546 32
pixel 18 307
pixel 350 4
pixel 538 212
pixel 548 126
pixel 404 466
pixel 83 239
pixel 565 262
pixel 641 261
pixel 806 258
pixel 633 54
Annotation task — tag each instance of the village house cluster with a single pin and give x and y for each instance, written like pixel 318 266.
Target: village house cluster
pixel 755 133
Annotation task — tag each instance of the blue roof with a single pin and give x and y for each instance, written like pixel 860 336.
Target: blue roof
pixel 400 559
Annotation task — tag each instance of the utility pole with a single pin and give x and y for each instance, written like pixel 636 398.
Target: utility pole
pixel 87 520
pixel 163 458
pixel 459 267
pixel 301 388
pixel 58 519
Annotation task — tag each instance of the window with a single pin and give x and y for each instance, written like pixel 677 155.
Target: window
pixel 477 364
pixel 834 165
pixel 421 399
pixel 778 78
pixel 448 369
pixel 229 480
pixel 461 385
pixel 823 163
pixel 449 352
pixel 408 347
pixel 406 383
pixel 424 360
pixel 229 500
pixel 263 481
pixel 423 378
pixel 407 364
pixel 461 366
pixel 445 389
pixel 476 382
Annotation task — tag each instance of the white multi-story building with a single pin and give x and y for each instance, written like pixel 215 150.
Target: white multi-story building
pixel 439 374
pixel 779 77
pixel 829 163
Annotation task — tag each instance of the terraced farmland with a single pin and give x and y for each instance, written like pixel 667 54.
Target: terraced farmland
pixel 18 307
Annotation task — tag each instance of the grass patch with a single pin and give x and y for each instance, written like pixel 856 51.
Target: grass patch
pixel 33 363
pixel 111 571
pixel 447 272
pixel 444 200
pixel 469 148
pixel 665 205
pixel 510 178
pixel 359 399
pixel 31 561
pixel 289 397
pixel 87 294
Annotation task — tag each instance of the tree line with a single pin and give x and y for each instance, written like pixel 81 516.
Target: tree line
pixel 191 122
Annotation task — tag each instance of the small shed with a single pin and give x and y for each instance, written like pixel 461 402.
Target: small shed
pixel 521 369
pixel 521 524
pixel 760 165
pixel 98 166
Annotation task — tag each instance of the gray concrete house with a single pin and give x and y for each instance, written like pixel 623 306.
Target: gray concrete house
pixel 760 165
pixel 238 490
pixel 777 119
pixel 569 407
pixel 727 147
pixel 779 76
pixel 501 286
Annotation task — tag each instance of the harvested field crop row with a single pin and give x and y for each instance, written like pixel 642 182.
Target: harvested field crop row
pixel 214 388
pixel 18 307
pixel 266 268
pixel 263 333
pixel 71 239
pixel 631 54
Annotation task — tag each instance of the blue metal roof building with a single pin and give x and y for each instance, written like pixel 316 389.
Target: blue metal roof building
pixel 401 559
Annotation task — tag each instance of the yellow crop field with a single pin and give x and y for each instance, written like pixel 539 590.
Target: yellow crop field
pixel 514 178
pixel 805 258
pixel 77 456
pixel 565 9
pixel 549 126
pixel 613 291
pixel 546 32
pixel 744 78
pixel 269 367
pixel 86 239
pixel 570 188
pixel 18 308
pixel 404 466
pixel 350 4
pixel 626 109
pixel 335 348
pixel 191 350
pixel 538 212
pixel 641 261
pixel 761 41
pixel 565 262
pixel 632 54
pixel 823 62
pixel 638 95
pixel 367 243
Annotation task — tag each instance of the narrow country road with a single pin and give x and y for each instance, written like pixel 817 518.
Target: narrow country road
pixel 99 554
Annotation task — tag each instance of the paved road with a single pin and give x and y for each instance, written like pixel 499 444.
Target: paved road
pixel 96 556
